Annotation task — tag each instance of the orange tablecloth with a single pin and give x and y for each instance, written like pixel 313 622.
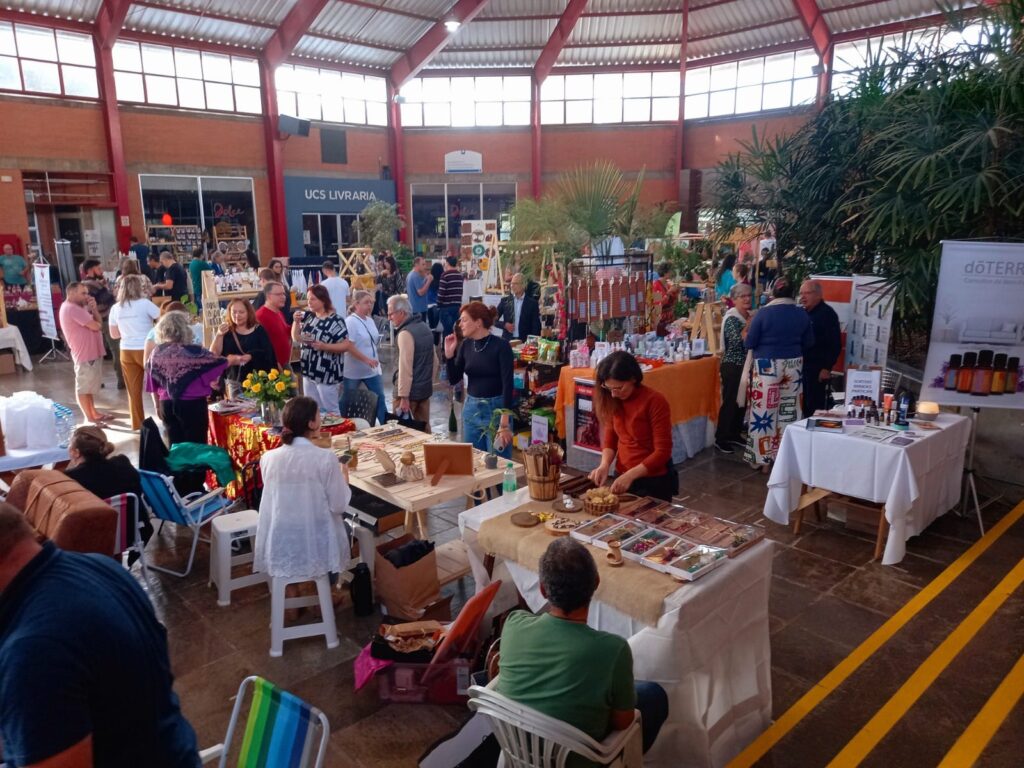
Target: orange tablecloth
pixel 692 389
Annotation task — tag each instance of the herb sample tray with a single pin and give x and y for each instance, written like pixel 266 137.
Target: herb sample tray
pixel 620 533
pixel 637 547
pixel 597 526
pixel 696 562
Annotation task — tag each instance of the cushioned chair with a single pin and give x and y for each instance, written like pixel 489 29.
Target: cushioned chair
pixel 530 739
pixel 61 510
pixel 361 404
pixel 280 732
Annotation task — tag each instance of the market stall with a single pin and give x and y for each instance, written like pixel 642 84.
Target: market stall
pixel 706 642
pixel 693 394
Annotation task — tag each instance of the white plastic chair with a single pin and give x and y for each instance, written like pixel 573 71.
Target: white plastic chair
pixel 530 739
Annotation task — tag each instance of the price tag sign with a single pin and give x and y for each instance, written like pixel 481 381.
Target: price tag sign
pixel 863 384
pixel 538 429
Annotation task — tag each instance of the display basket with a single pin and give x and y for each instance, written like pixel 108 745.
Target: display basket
pixel 543 488
pixel 599 508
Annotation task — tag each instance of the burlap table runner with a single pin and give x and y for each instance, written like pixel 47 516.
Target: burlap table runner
pixel 633 589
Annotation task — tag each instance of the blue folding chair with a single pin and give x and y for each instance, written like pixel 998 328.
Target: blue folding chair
pixel 128 537
pixel 194 511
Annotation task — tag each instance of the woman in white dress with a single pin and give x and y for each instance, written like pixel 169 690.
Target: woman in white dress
pixel 305 492
pixel 362 365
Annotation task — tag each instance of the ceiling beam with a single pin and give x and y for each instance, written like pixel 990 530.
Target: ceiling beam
pixel 814 23
pixel 559 37
pixel 393 11
pixel 293 27
pixel 433 42
pixel 109 20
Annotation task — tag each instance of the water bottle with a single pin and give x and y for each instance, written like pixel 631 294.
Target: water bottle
pixel 686 349
pixel 509 484
pixel 65 422
pixel 904 406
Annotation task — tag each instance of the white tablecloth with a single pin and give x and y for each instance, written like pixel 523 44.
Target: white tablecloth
pixel 916 483
pixel 24 458
pixel 10 338
pixel 709 651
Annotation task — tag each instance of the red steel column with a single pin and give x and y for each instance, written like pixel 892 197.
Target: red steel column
pixel 536 183
pixel 680 159
pixel 396 155
pixel 825 77
pixel 275 169
pixel 115 145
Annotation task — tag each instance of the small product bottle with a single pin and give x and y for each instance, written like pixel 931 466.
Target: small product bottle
pixel 1012 376
pixel 999 374
pixel 509 484
pixel 955 361
pixel 904 406
pixel 965 376
pixel 982 382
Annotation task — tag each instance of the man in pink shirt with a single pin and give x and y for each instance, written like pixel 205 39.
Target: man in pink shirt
pixel 80 321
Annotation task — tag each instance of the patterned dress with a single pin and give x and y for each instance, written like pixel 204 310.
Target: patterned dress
pixel 318 366
pixel 774 404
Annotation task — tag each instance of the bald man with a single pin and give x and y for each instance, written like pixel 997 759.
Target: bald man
pixel 822 356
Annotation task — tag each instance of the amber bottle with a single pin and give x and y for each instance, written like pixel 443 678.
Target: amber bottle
pixel 965 376
pixel 955 362
pixel 999 374
pixel 1012 375
pixel 982 382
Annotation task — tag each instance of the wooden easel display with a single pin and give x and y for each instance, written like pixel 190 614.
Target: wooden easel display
pixel 707 319
pixel 349 258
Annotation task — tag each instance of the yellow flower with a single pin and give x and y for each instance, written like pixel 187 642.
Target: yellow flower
pixel 280 387
pixel 286 373
pixel 262 373
pixel 256 388
pixel 246 384
pixel 273 375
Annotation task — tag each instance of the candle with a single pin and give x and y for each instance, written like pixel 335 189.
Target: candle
pixel 927 408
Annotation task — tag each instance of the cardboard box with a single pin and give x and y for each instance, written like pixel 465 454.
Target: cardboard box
pixel 7 365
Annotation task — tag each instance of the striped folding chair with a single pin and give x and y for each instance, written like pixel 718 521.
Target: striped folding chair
pixel 281 731
pixel 127 537
pixel 193 511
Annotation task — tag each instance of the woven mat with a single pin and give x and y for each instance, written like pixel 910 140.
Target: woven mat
pixel 633 589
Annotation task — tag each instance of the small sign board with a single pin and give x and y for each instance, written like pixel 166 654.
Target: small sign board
pixel 538 429
pixel 463 161
pixel 863 384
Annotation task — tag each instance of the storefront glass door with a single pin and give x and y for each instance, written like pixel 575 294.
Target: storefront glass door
pixel 324 233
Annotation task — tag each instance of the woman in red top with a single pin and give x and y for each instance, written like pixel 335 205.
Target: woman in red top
pixel 664 296
pixel 636 431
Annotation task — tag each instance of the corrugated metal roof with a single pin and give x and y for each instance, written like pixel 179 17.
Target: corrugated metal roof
pixel 454 59
pixel 329 50
pixel 639 29
pixel 501 8
pixel 260 11
pixel 76 10
pixel 866 16
pixel 188 27
pixel 366 24
pixel 725 18
pixel 620 56
pixel 617 6
pixel 750 40
pixel 434 8
pixel 527 33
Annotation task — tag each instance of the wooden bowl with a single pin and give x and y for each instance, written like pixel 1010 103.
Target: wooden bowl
pixel 561 526
pixel 597 509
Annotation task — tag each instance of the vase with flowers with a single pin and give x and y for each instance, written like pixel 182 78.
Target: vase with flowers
pixel 271 389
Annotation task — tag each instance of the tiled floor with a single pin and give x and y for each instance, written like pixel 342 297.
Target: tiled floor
pixel 827 597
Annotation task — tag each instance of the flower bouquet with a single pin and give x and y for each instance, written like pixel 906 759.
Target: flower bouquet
pixel 271 389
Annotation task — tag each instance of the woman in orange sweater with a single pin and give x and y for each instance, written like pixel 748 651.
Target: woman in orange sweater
pixel 636 431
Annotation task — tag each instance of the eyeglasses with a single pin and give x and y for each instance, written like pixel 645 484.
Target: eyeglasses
pixel 618 388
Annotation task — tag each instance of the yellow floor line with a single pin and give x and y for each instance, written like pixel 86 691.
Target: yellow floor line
pixel 784 724
pixel 979 733
pixel 901 701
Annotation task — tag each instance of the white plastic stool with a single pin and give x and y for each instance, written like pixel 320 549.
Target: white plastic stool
pixel 227 529
pixel 278 603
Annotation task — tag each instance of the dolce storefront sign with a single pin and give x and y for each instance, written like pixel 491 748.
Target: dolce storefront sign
pixel 316 194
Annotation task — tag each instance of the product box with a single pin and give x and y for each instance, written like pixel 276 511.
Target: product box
pixel 620 533
pixel 637 547
pixel 588 531
pixel 696 562
pixel 667 552
pixel 7 366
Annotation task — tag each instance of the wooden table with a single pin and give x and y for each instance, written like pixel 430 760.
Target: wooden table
pixel 415 498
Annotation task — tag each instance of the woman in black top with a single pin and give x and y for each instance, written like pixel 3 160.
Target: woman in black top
pixel 243 341
pixel 486 360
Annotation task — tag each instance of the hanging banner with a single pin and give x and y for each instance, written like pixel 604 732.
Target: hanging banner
pixel 478 241
pixel 588 429
pixel 977 339
pixel 44 300
pixel 869 325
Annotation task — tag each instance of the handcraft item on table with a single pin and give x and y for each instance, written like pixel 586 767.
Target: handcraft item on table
pixel 614 554
pixel 442 459
pixel 561 526
pixel 409 471
pixel 543 465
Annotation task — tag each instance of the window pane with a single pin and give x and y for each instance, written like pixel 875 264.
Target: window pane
pixel 7 46
pixel 333 108
pixel 607 110
pixel 435 89
pixel 804 63
pixel 218 95
pixel 129 87
pixel 517 113
pixel 552 112
pixel 161 90
pixel 413 90
pixel 751 72
pixel 488 113
pixel 488 89
pixel 776 95
pixel 355 111
pixel 286 103
pixel 517 89
pixel 75 49
pixel 376 113
pixel 608 86
pixel 284 78
pixel 375 89
pixel 579 111
pixel 723 76
pixel 696 106
pixel 309 106
pixel 849 56
pixel 778 67
pixel 665 84
pixel 36 42
pixel 248 100
pixel 188 64
pixel 636 110
pixel 158 60
pixel 10 74
pixel 80 81
pixel 126 56
pixel 463 89
pixel 463 113
pixel 191 93
pixel 245 71
pixel 843 82
pixel 579 87
pixel 636 84
pixel 805 90
pixel 216 67
pixel 346 85
pixel 40 76
pixel 748 99
pixel 437 114
pixel 665 109
pixel 722 103
pixel 412 115
pixel 553 89
pixel 307 80
pixel 698 80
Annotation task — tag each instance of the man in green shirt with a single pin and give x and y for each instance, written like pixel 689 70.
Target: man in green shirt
pixel 556 664
pixel 196 267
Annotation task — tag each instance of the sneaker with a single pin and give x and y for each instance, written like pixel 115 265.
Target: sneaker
pixel 738 442
pixel 723 447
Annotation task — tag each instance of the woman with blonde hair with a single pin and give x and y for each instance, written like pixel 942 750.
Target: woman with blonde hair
pixel 132 267
pixel 130 320
pixel 363 333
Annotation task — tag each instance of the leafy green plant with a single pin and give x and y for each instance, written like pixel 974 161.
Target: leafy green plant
pixel 378 223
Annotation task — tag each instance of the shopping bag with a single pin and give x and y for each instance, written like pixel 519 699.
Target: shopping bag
pixel 405 591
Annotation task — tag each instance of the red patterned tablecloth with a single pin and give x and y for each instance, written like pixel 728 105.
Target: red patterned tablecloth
pixel 245 441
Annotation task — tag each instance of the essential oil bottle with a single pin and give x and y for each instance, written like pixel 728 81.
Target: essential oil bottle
pixel 982 383
pixel 999 374
pixel 965 376
pixel 955 362
pixel 1012 375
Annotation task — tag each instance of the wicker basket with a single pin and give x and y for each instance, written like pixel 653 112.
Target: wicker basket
pixel 597 509
pixel 542 488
